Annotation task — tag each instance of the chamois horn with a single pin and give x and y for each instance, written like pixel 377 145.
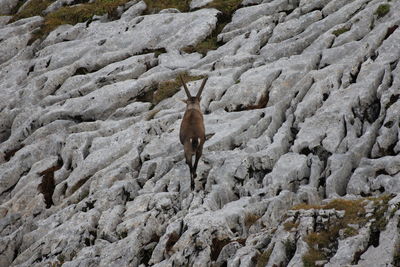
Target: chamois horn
pixel 185 87
pixel 201 87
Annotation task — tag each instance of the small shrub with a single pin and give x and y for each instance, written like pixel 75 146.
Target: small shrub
pixel 382 10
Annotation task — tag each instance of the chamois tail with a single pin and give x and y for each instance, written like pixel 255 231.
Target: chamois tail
pixel 195 143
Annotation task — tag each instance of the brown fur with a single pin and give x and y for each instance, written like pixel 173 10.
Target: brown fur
pixel 192 132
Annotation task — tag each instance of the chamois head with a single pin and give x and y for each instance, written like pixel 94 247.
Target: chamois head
pixel 193 102
pixel 192 132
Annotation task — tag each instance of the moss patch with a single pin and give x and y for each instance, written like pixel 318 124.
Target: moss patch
pixel 382 10
pixel 340 31
pixel 264 258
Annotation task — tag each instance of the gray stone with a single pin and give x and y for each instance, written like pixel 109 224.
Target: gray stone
pixel 7 6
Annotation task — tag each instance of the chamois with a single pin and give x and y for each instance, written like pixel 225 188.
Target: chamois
pixel 192 132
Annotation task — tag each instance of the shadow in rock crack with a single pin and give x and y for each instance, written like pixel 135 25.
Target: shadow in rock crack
pixel 46 187
pixel 9 154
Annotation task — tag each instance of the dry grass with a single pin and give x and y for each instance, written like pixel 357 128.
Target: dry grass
pixel 227 7
pixel 305 206
pixel 290 225
pixel 250 219
pixel 155 6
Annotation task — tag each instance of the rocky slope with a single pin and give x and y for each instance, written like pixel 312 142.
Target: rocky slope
pixel 302 113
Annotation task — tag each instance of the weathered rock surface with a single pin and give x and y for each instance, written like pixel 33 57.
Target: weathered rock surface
pixel 302 106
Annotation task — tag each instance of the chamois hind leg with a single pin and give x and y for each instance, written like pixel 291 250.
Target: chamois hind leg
pixel 198 155
pixel 188 157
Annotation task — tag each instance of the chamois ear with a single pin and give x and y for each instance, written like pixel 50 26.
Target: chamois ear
pixel 201 88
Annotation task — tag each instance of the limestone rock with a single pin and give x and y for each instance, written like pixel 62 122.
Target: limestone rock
pixel 301 111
